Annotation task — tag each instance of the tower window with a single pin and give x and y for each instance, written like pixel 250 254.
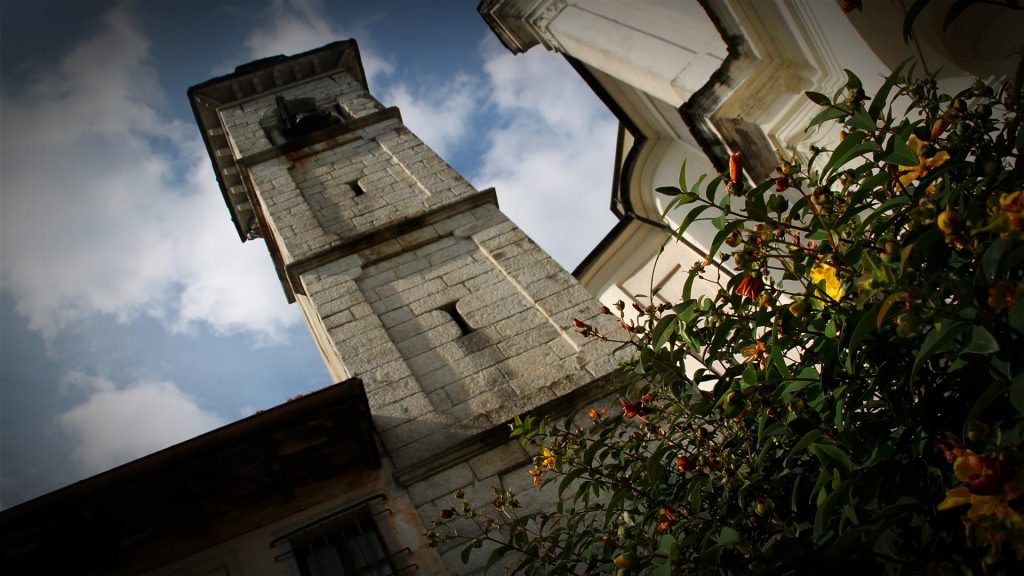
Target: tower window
pixel 357 187
pixel 456 317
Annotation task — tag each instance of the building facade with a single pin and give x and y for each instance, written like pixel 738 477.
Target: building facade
pixel 696 80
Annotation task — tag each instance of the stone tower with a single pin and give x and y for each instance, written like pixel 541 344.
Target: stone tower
pixel 409 278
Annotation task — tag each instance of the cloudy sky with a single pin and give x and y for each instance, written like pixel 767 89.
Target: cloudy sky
pixel 131 318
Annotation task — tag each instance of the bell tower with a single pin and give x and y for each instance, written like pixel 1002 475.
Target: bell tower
pixel 409 278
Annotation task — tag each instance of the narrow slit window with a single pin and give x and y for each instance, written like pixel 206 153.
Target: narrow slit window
pixel 452 311
pixel 357 187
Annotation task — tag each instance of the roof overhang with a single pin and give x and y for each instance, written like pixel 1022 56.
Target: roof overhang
pixel 199 493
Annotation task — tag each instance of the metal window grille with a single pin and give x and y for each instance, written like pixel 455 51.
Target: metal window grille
pixel 346 543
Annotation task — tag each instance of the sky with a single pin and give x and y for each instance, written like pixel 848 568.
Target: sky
pixel 131 317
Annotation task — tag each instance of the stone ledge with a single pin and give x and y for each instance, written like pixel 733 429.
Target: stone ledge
pixel 383 234
pixel 497 435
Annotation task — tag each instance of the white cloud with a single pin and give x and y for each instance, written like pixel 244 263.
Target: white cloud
pixel 110 208
pixel 300 25
pixel 551 157
pixel 118 424
pixel 440 116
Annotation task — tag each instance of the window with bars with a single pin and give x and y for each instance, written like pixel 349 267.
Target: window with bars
pixel 347 544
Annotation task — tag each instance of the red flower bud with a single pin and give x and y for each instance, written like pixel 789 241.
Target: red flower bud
pixel 781 183
pixel 447 513
pixel 684 464
pixel 736 167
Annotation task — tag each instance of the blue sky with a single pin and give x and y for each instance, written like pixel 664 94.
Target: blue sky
pixel 131 317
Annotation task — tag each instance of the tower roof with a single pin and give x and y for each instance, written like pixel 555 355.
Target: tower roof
pixel 249 81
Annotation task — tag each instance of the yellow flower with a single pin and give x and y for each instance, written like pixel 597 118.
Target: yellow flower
pixel 826 272
pixel 1011 205
pixel 757 353
pixel 996 506
pixel 910 173
pixel 548 458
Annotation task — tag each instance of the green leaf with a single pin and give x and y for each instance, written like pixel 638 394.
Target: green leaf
pixel 833 455
pixel 682 175
pixel 818 98
pixel 826 115
pixel 881 97
pixel 804 442
pixel 1016 316
pixel 854 145
pixel 712 188
pixel 728 536
pixel 880 211
pixel 852 81
pixel 935 341
pixel 464 555
pixel 995 390
pixel 749 377
pixel 981 342
pixel 688 286
pixel 990 260
pixel 780 362
pixel 496 555
pixel 681 200
pixel 689 218
pixel 901 153
pixel 669 547
pixel 863 328
pixel 825 510
pixel 883 310
pixel 862 121
pixel 722 235
pixel 669 190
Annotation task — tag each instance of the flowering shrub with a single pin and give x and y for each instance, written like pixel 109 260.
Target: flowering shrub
pixel 852 396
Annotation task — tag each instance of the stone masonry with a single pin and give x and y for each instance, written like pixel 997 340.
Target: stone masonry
pixel 410 278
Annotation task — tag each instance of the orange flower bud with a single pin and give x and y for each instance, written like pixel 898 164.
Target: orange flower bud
pixel 938 128
pixel 736 167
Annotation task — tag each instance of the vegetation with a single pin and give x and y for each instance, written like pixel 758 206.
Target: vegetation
pixel 852 397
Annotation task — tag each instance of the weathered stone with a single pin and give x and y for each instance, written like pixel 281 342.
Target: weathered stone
pixel 441 483
pixel 504 458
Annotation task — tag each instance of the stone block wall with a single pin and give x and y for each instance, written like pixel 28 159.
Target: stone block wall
pixel 455 328
pixel 318 199
pixel 503 468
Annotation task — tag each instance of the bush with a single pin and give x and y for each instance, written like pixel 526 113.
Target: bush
pixel 852 397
